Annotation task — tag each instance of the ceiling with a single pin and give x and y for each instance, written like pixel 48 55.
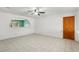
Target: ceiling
pixel 24 11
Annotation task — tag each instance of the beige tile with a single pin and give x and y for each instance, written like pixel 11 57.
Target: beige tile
pixel 38 43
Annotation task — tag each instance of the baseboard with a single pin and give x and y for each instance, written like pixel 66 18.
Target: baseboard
pixel 48 35
pixel 18 36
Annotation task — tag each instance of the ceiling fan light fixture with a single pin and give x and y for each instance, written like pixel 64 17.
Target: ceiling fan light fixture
pixel 36 13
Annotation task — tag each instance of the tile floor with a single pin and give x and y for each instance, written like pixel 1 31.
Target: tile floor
pixel 38 43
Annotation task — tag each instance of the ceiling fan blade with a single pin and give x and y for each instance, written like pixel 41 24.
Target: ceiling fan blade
pixel 35 10
pixel 38 14
pixel 31 13
pixel 42 12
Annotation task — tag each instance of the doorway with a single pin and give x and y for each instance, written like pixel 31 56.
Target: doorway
pixel 69 27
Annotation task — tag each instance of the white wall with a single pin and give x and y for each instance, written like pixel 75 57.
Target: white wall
pixel 51 25
pixel 7 32
pixel 77 26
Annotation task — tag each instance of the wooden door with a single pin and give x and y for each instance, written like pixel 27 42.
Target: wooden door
pixel 68 27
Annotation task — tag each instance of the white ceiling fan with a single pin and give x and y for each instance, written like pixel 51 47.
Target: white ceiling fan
pixel 30 10
pixel 36 11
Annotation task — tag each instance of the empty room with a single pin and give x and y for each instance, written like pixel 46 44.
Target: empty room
pixel 39 29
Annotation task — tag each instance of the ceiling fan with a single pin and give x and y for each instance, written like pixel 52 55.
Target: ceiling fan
pixel 36 11
pixel 32 10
